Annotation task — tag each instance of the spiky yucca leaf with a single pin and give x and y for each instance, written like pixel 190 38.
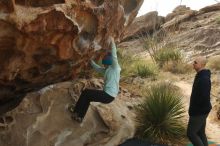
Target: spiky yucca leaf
pixel 159 117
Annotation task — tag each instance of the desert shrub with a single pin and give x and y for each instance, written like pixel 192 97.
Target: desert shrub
pixel 159 116
pixel 146 70
pixel 177 67
pixel 126 62
pixel 161 52
pixel 165 55
pixel 151 43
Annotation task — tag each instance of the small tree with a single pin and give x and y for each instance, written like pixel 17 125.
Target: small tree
pixel 151 43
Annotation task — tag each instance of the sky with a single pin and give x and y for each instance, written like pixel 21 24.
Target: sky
pixel 166 6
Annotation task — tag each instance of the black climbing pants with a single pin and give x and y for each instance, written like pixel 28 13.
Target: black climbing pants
pixel 90 95
pixel 196 130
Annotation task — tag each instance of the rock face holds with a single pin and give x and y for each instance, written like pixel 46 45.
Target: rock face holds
pixel 49 41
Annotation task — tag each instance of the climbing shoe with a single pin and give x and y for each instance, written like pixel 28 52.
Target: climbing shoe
pixel 71 108
pixel 75 117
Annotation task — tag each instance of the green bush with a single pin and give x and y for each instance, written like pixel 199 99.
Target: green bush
pixel 159 116
pixel 164 55
pixel 146 70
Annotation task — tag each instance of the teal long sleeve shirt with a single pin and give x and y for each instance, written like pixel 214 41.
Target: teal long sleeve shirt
pixel 111 74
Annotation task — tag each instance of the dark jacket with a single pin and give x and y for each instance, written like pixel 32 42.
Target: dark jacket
pixel 200 98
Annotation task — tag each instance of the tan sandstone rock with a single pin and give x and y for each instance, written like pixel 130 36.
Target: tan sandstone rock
pixel 49 41
pixel 42 119
pixel 143 25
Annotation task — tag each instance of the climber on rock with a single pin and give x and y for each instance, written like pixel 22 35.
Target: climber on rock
pixel 111 72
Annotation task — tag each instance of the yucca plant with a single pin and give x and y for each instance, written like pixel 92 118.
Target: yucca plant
pixel 159 116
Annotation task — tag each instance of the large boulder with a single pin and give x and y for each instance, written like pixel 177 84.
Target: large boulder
pixel 42 118
pixel 179 15
pixel 215 7
pixel 179 10
pixel 145 24
pixel 195 33
pixel 198 35
pixel 49 41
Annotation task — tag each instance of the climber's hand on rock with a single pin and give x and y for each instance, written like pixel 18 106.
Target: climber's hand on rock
pixel 110 40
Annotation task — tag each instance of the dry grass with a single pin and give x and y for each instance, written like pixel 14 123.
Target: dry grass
pixel 214 62
pixel 167 54
pixel 218 20
pixel 145 69
pixel 178 67
pixel 126 61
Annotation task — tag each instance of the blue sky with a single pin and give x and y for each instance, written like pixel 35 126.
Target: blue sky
pixel 166 6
